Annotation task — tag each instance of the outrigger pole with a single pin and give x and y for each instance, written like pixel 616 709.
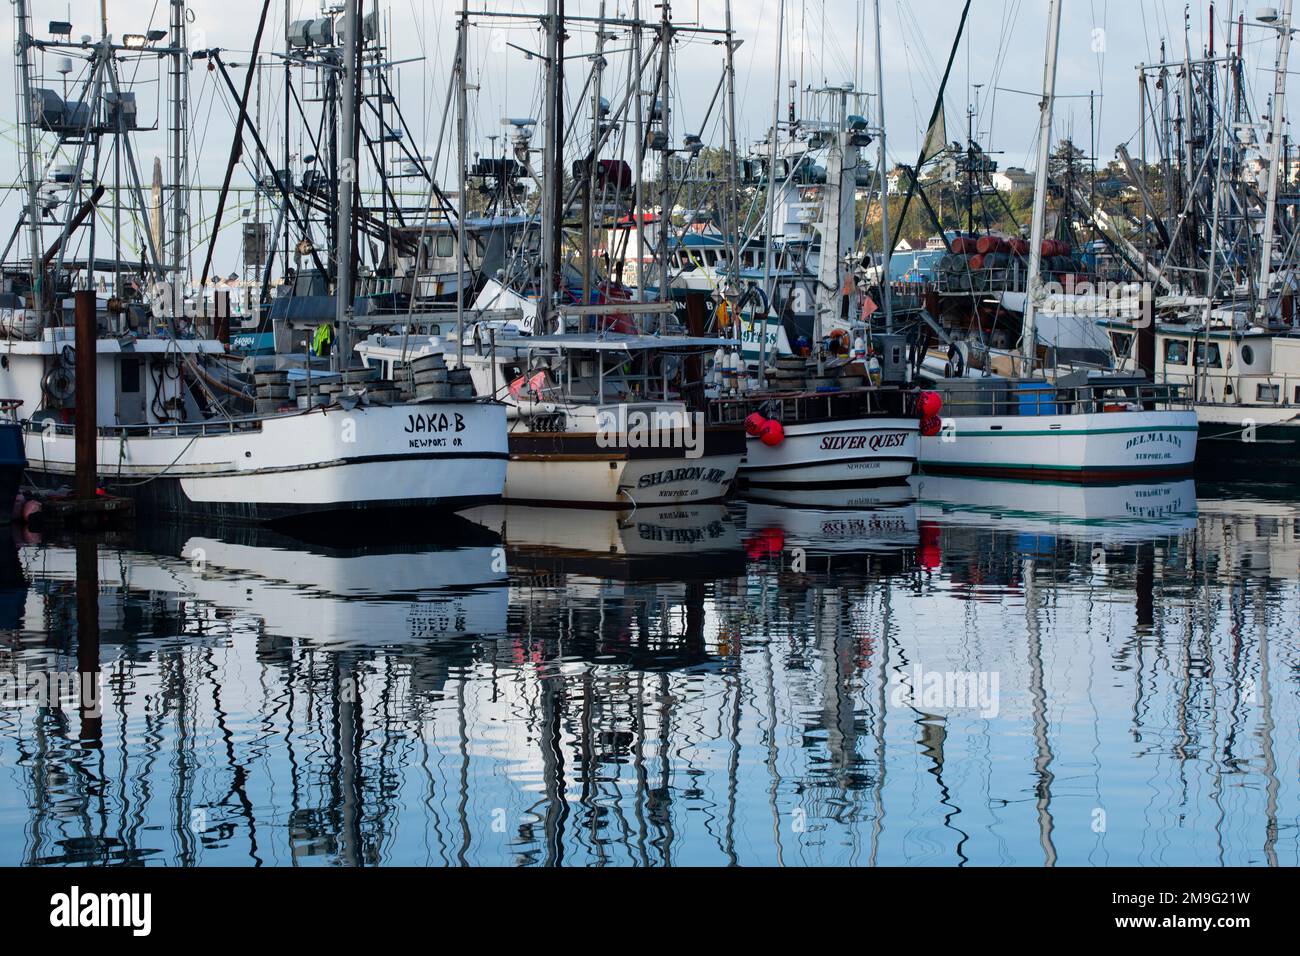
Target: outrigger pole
pixel 236 144
pixel 934 116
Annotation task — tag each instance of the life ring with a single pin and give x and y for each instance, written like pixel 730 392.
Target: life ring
pixel 60 384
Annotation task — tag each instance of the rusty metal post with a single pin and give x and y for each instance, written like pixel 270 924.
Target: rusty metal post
pixel 87 401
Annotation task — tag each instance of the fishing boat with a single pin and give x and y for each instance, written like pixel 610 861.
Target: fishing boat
pixel 1245 380
pixel 828 430
pixel 178 426
pixel 1041 419
pixel 1224 327
pixel 603 389
pixel 593 419
pixel 826 416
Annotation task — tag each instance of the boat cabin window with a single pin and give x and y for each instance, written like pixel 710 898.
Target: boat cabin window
pixel 1247 355
pixel 1122 342
pixel 446 247
pixel 1267 393
pixel 1175 352
pixel 1215 359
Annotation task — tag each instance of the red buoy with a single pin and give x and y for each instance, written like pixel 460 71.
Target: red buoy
pixel 929 403
pixel 931 426
pixel 772 434
pixel 754 424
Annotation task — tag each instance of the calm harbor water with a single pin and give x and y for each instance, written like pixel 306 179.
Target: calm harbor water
pixel 959 673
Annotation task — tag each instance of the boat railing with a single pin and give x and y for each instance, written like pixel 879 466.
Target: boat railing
pixel 1044 398
pixel 1253 389
pixel 811 406
pixel 162 430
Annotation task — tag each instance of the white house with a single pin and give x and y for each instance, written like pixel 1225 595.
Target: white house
pixel 1012 178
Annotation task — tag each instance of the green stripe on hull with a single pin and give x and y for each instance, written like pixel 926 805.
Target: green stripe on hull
pixel 1061 431
pixel 1062 468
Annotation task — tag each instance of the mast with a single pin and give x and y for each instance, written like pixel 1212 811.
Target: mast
pixel 597 117
pixel 552 147
pixel 346 192
pixel 462 147
pixel 638 213
pixel 1029 338
pixel 732 287
pixel 665 127
pixel 286 172
pixel 771 194
pixel 29 152
pixel 838 220
pixel 180 108
pixel 1277 111
pixel 885 245
pixel 1221 131
pixel 555 278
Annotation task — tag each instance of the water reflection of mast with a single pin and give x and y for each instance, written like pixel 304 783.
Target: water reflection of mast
pixel 552 700
pixel 882 680
pixel 735 695
pixel 1043 757
pixel 238 774
pixel 772 725
pixel 1270 759
pixel 661 802
pixel 347 741
pixel 462 743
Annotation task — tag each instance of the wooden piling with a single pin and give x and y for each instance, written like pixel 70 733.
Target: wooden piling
pixel 86 399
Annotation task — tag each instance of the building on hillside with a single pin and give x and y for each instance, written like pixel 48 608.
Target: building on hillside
pixel 1011 179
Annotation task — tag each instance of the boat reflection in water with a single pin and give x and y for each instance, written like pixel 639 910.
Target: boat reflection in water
pixel 996 675
pixel 1104 513
pixel 827 523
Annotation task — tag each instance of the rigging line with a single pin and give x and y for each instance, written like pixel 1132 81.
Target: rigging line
pixel 907 56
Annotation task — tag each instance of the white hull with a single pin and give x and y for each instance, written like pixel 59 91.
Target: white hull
pixel 616 480
pixel 1105 446
pixel 859 451
pixel 426 454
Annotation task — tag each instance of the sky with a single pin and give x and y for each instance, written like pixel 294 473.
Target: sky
pixel 999 65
